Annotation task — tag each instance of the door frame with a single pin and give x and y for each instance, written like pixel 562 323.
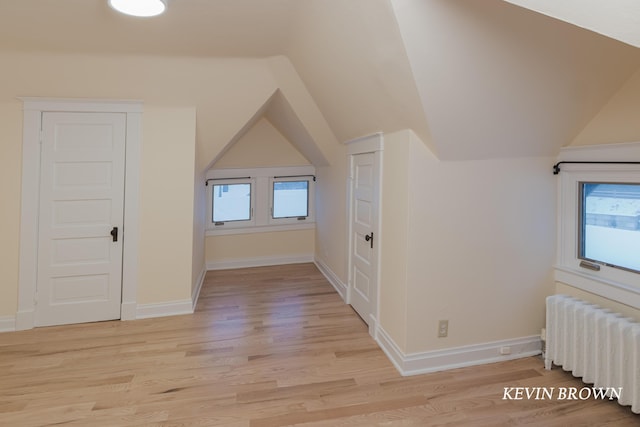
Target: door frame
pixel 373 143
pixel 33 108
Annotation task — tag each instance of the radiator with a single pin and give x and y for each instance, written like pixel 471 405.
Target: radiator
pixel 601 347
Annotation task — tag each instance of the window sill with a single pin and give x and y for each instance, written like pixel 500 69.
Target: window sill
pixel 259 229
pixel 615 291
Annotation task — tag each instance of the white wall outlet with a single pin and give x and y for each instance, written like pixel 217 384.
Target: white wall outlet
pixel 443 328
pixel 505 350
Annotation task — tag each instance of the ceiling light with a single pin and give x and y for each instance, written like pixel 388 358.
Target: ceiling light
pixel 142 8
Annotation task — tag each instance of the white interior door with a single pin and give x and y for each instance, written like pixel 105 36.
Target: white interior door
pixel 80 218
pixel 364 226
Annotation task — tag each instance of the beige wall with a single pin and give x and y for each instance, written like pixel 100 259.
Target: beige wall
pixel 331 215
pixel 394 238
pixel 10 177
pixel 261 146
pixel 618 120
pixel 166 204
pixel 260 245
pixel 480 248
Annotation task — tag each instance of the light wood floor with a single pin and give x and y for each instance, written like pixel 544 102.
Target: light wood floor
pixel 269 346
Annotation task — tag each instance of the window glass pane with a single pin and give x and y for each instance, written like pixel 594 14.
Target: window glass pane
pixel 231 202
pixel 610 224
pixel 290 199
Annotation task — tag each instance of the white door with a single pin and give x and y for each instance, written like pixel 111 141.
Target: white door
pixel 364 243
pixel 80 218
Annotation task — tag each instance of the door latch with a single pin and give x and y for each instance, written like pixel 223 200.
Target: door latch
pixel 369 238
pixel 114 234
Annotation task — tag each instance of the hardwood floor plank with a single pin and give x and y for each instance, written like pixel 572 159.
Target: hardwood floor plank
pixel 267 346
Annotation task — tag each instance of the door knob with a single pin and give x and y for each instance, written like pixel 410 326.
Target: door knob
pixel 369 238
pixel 114 234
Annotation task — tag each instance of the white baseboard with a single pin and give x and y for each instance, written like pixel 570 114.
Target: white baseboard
pixel 335 281
pixel 128 311
pixel 25 319
pixel 258 262
pixel 172 308
pixel 7 323
pixel 458 357
pixel 196 291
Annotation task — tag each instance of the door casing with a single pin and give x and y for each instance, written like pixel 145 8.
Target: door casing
pixel 33 108
pixel 368 144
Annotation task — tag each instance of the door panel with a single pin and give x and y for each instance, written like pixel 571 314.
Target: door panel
pixel 81 200
pixel 81 213
pixel 87 175
pixel 361 283
pixel 363 222
pixel 83 288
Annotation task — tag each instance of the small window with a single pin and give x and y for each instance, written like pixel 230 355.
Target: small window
pixel 290 199
pixel 259 200
pixel 609 232
pixel 231 202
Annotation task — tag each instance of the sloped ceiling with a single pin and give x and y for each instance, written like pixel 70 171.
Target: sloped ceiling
pixel 351 56
pixel 474 79
pixel 497 80
pixel 618 19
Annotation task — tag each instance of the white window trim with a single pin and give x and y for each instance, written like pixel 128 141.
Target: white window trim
pixel 310 205
pixel 261 200
pixel 231 224
pixel 610 282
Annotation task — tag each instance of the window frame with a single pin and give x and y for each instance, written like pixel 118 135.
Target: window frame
pixel 310 199
pixel 582 224
pixel 235 224
pixel 610 282
pixel 261 199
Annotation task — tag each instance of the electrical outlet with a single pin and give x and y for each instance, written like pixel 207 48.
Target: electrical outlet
pixel 443 328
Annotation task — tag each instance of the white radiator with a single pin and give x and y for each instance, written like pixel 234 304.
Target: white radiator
pixel 601 347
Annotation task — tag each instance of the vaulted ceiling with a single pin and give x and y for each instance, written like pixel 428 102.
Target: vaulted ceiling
pixel 474 79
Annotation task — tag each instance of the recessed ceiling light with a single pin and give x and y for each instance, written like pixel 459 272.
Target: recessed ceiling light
pixel 144 8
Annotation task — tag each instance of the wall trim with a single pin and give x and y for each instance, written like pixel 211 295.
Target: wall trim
pixel 258 262
pixel 260 229
pixel 163 309
pixel 7 323
pixel 365 144
pixel 128 311
pixel 600 152
pixel 196 291
pixel 25 319
pixel 94 105
pixel 332 278
pixel 456 357
pixel 618 292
